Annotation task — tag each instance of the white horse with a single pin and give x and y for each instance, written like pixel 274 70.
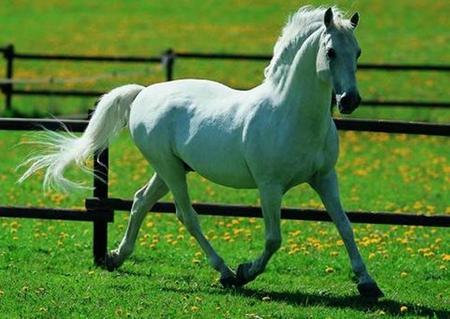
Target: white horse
pixel 272 137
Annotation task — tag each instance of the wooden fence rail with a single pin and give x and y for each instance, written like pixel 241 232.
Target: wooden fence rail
pixel 100 209
pixel 379 126
pixel 168 58
pixel 286 213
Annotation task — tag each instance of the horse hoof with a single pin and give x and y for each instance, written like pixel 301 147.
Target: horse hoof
pixel 242 276
pixel 109 262
pixel 370 290
pixel 228 282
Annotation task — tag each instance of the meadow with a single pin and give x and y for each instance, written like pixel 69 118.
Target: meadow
pixel 46 268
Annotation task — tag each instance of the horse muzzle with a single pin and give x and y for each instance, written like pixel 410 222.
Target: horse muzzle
pixel 348 101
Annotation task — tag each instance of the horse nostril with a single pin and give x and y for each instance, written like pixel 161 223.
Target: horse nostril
pixel 348 102
pixel 344 99
pixel 351 99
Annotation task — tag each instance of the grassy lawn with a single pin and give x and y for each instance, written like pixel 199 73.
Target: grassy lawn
pixel 46 268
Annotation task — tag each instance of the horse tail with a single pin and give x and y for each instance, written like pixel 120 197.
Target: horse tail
pixel 61 150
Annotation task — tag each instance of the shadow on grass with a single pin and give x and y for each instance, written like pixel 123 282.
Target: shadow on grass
pixel 301 299
pixel 390 307
pixel 189 283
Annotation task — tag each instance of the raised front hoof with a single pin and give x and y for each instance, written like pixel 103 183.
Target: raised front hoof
pixel 370 290
pixel 109 262
pixel 242 274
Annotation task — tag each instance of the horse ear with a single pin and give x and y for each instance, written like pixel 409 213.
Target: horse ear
pixel 354 19
pixel 328 18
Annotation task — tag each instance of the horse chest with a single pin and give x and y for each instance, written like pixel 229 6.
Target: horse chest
pixel 296 161
pixel 299 167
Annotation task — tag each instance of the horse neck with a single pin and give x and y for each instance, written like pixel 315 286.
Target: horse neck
pixel 304 99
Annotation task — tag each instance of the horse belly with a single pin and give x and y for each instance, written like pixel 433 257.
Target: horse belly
pixel 219 162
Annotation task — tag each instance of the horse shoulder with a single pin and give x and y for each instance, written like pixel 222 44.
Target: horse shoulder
pixel 330 151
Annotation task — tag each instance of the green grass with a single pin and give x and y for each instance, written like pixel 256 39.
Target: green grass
pixel 46 267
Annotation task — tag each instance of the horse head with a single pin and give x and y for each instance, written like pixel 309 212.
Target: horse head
pixel 337 59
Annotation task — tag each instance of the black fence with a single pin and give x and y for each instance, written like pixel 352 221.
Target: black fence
pixel 168 59
pixel 100 208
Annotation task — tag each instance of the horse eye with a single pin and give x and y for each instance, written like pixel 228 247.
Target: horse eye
pixel 331 53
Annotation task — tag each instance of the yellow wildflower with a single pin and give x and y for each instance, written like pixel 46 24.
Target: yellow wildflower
pixel 329 270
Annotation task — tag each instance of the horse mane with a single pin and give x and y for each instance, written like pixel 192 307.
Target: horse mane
pixel 299 27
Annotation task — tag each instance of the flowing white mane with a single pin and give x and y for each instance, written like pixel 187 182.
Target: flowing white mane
pixel 299 27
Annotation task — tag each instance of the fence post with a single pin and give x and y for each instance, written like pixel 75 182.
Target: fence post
pixel 168 59
pixel 100 183
pixel 7 88
pixel 101 166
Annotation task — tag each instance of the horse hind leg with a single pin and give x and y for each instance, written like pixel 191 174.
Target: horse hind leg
pixel 176 181
pixel 144 199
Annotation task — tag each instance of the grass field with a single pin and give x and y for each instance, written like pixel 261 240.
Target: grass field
pixel 46 267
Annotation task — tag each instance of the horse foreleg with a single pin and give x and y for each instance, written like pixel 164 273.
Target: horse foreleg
pixel 271 205
pixel 328 190
pixel 144 199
